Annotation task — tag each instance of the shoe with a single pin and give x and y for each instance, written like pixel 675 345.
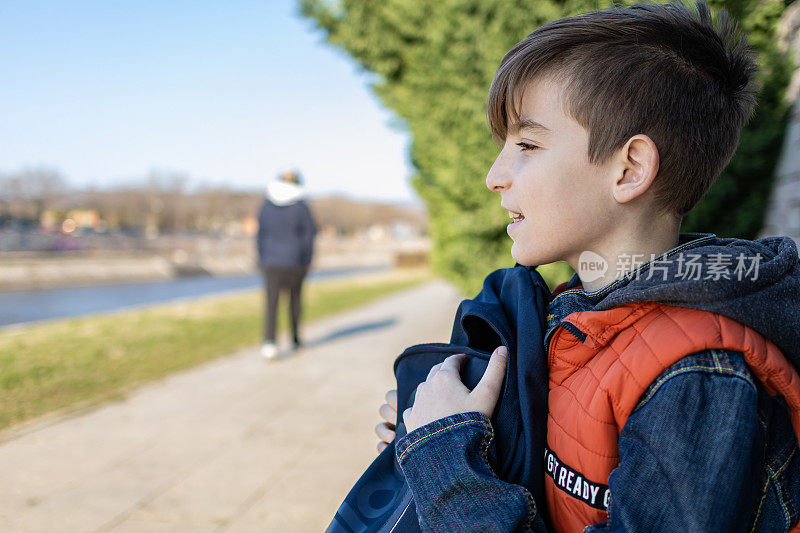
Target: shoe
pixel 269 350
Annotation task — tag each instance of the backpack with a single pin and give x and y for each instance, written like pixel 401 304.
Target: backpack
pixel 508 311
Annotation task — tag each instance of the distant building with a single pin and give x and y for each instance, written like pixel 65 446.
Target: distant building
pixel 49 220
pixel 85 218
pixel 69 221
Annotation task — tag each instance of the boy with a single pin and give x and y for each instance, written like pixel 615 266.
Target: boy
pixel 674 397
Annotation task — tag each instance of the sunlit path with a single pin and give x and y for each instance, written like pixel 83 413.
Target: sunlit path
pixel 235 445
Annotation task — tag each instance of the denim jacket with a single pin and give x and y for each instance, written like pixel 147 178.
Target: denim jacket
pixel 706 449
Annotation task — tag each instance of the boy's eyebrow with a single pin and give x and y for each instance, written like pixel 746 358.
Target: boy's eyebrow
pixel 530 124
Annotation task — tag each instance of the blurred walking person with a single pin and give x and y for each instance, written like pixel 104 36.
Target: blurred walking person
pixel 285 242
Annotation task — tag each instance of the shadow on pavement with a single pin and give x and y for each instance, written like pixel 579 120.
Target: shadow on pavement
pixel 289 353
pixel 352 330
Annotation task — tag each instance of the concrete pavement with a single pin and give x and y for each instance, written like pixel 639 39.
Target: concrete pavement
pixel 235 445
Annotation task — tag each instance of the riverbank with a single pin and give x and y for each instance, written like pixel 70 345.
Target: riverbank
pixel 233 445
pixel 19 307
pixel 64 271
pixel 30 271
pixel 71 364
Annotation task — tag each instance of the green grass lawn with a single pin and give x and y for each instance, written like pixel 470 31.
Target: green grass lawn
pixel 74 363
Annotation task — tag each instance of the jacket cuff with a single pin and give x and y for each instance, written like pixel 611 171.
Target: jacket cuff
pixel 444 433
pixel 448 465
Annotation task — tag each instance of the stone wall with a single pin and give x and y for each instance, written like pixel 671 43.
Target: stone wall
pixel 39 272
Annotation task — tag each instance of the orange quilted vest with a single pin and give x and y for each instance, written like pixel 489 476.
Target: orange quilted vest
pixel 595 384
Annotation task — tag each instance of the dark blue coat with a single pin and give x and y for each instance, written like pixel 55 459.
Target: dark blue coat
pixel 285 234
pixel 509 311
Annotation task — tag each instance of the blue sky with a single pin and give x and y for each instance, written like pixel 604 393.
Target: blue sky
pixel 226 92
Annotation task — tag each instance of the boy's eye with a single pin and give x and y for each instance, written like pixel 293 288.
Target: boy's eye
pixel 527 146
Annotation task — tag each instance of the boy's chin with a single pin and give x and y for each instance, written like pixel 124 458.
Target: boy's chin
pixel 524 259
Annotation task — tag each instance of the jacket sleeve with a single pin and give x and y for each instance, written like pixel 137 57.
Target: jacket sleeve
pixel 308 230
pixel 447 466
pixel 690 454
pixel 261 235
pixel 689 461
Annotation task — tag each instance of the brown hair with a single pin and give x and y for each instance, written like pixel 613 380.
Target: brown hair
pixel 661 70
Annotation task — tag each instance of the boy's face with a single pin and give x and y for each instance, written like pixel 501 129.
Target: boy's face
pixel 543 173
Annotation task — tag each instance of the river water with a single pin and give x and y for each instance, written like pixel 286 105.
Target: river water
pixel 17 307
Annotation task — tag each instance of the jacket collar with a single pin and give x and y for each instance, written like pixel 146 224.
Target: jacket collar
pixel 570 297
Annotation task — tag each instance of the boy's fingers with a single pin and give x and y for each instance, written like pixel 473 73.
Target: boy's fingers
pixel 384 433
pixel 453 363
pixel 434 369
pixel 391 399
pixel 489 387
pixel 381 446
pixel 388 413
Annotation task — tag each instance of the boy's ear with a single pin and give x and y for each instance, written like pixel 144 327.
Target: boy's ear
pixel 638 167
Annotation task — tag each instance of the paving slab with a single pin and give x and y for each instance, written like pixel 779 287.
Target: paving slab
pixel 235 445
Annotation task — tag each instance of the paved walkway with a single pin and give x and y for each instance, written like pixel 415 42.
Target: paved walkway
pixel 235 445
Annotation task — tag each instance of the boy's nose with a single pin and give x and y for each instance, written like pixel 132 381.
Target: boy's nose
pixel 497 180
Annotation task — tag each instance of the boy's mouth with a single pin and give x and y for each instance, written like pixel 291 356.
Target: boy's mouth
pixel 518 217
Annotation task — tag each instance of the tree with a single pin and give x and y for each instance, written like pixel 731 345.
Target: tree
pixel 30 191
pixel 434 61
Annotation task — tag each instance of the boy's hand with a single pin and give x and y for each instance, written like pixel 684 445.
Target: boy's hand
pixel 443 394
pixel 388 411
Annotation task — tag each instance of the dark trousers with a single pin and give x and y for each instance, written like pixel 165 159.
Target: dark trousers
pixel 278 280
